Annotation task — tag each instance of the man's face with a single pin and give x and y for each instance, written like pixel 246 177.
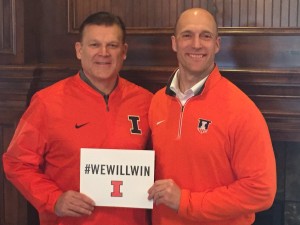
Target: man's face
pixel 196 43
pixel 101 52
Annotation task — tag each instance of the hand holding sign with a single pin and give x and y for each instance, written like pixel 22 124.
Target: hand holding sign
pixel 165 192
pixel 72 203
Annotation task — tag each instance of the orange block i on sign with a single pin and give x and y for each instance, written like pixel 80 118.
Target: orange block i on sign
pixel 116 188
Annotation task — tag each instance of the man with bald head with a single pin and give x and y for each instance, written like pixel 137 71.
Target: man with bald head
pixel 214 158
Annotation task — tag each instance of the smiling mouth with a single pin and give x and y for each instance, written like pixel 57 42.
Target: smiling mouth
pixel 196 56
pixel 103 63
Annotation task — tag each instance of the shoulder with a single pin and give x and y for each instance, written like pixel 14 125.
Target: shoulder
pixel 132 88
pixel 161 93
pixel 159 99
pixel 57 88
pixel 237 102
pixel 228 90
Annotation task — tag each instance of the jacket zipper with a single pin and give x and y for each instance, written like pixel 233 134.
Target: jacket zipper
pixel 181 117
pixel 106 102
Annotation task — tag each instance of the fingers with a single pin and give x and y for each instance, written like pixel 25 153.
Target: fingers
pixel 72 203
pixel 157 187
pixel 165 192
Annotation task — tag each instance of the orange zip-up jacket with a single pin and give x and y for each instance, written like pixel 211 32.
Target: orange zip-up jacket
pixel 217 149
pixel 43 158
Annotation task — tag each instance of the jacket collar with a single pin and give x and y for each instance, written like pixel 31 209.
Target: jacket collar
pixel 87 81
pixel 212 79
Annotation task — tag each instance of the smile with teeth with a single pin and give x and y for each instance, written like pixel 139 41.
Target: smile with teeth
pixel 196 56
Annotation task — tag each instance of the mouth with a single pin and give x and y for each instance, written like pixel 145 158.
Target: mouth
pixel 103 63
pixel 196 56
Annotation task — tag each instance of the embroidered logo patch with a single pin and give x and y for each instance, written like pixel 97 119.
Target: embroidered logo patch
pixel 77 126
pixel 203 125
pixel 134 124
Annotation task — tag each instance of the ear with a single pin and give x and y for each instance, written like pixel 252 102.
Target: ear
pixel 218 45
pixel 174 45
pixel 78 49
pixel 125 49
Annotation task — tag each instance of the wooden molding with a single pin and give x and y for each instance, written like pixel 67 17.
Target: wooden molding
pixel 8 27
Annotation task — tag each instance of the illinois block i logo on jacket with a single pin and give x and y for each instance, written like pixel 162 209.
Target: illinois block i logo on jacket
pixel 134 124
pixel 203 125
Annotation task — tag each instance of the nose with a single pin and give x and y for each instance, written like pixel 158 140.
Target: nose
pixel 197 43
pixel 103 51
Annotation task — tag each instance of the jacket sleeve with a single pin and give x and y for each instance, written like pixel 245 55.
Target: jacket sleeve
pixel 253 164
pixel 24 160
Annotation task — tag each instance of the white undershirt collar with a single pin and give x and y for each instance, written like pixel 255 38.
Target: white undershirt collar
pixel 183 97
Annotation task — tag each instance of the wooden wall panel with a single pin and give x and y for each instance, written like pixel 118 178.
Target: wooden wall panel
pixel 7 27
pixel 14 88
pixel 12 205
pixel 11 28
pixel 163 13
pixel 255 48
pixel 16 84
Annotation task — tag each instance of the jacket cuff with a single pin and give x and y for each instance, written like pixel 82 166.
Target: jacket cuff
pixel 52 201
pixel 189 207
pixel 184 203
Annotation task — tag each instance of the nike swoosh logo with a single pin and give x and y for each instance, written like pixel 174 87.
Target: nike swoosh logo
pixel 159 122
pixel 80 125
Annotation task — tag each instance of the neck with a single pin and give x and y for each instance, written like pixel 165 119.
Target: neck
pixel 187 80
pixel 104 86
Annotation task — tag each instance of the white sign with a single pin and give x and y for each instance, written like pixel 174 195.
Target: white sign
pixel 114 177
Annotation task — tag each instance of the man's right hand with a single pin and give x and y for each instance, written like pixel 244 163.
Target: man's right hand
pixel 72 203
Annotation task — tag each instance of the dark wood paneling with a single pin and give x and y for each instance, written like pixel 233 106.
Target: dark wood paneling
pixel 7 27
pixel 32 22
pixel 13 207
pixel 11 32
pixel 16 82
pixel 162 14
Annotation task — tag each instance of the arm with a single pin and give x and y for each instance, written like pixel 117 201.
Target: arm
pixel 252 161
pixel 24 163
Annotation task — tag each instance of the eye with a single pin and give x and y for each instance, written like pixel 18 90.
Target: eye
pixel 206 36
pixel 113 45
pixel 94 45
pixel 186 35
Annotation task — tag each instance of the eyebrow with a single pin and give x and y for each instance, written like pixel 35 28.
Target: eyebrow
pixel 190 31
pixel 98 41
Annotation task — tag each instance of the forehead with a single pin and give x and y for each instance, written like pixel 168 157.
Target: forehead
pixel 196 21
pixel 94 31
